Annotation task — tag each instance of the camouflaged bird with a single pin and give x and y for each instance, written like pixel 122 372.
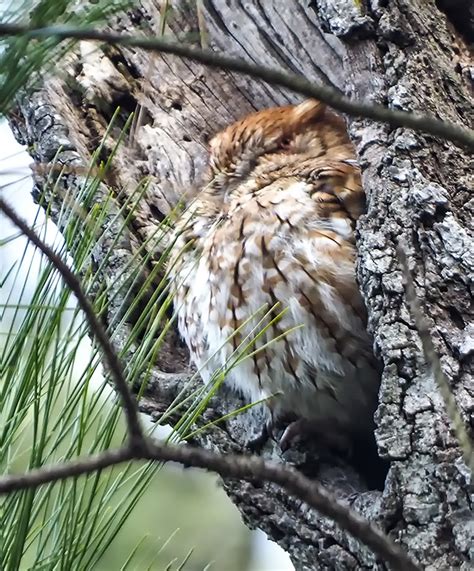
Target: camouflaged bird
pixel 273 230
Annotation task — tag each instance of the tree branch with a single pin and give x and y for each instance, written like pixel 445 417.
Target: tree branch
pixel 297 83
pixel 231 466
pixel 134 428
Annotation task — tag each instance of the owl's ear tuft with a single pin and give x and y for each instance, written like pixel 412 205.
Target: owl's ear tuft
pixel 308 111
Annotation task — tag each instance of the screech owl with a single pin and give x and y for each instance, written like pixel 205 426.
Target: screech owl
pixel 269 242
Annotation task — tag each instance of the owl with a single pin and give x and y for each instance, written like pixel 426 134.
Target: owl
pixel 263 268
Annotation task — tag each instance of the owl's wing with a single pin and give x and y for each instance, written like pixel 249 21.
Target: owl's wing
pixel 336 197
pixel 336 187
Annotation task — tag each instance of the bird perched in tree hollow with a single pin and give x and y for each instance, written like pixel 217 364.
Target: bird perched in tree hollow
pixel 268 243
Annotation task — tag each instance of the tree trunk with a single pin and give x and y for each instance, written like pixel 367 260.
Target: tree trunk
pixel 404 53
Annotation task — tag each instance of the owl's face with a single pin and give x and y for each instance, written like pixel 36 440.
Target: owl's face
pixel 273 138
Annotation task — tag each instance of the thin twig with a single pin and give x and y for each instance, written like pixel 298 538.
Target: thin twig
pixel 297 83
pixel 236 466
pixel 431 357
pixel 134 429
pixel 57 472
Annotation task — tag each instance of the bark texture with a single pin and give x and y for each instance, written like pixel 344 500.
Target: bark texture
pixel 404 53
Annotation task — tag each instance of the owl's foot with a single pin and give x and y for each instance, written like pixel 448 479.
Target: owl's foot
pixel 326 436
pixel 291 432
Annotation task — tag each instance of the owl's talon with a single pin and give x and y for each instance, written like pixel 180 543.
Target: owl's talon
pixel 270 429
pixel 301 429
pixel 293 432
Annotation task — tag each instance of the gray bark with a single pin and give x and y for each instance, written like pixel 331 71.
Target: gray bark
pixel 406 54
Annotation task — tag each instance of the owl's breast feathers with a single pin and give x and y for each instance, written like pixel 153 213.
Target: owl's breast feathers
pixel 269 267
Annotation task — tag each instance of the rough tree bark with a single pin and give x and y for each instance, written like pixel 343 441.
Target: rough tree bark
pixel 406 54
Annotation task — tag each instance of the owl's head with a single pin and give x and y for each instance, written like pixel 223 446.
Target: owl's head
pixel 291 130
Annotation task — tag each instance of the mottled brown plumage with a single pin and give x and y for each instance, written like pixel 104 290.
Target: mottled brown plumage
pixel 273 230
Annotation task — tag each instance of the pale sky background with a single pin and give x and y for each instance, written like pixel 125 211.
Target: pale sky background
pixel 20 266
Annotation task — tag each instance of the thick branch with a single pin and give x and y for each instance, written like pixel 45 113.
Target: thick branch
pixel 432 359
pixel 231 466
pixel 292 81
